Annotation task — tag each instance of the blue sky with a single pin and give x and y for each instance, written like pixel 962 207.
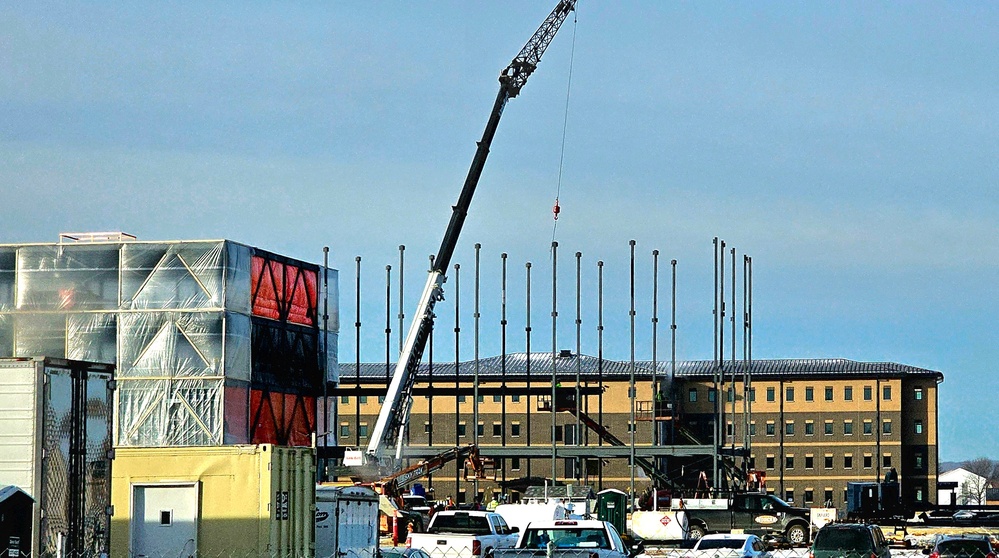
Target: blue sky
pixel 849 147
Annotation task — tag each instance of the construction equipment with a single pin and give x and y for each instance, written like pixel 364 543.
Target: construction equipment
pixel 476 467
pixel 394 415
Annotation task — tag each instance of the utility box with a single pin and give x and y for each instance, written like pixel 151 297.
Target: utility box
pixel 56 417
pixel 612 506
pixel 15 522
pixel 245 500
pixel 346 521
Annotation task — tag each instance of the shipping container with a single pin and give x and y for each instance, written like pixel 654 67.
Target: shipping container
pixel 346 522
pixel 55 444
pixel 245 500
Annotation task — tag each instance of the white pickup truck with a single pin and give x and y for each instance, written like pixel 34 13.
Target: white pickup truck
pixel 464 534
pixel 585 538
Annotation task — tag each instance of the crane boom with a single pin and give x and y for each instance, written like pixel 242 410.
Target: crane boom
pixel 394 414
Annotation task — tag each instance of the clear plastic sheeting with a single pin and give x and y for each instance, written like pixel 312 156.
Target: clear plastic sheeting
pixel 175 318
pixel 184 412
pixel 187 275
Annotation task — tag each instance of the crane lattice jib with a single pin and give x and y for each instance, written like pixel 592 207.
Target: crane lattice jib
pixel 515 75
pixel 394 414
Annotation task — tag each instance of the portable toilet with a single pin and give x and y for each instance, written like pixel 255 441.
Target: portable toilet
pixel 16 509
pixel 612 506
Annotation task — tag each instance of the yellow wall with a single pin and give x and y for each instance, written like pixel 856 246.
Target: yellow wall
pixel 237 484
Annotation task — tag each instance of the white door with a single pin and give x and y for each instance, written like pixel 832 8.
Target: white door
pixel 164 520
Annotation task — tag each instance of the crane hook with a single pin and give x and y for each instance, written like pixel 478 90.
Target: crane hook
pixel 556 209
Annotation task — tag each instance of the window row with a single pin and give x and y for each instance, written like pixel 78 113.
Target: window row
pixel 829 461
pixel 345 399
pixel 828 427
pixel 789 393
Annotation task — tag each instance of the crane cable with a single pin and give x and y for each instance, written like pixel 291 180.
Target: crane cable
pixel 556 209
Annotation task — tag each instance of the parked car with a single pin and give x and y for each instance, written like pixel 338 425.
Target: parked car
pixel 729 546
pixel 850 540
pixel 961 546
pixel 464 534
pixel 583 538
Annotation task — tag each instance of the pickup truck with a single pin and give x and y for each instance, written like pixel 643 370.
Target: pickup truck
pixel 583 538
pixel 755 513
pixel 464 534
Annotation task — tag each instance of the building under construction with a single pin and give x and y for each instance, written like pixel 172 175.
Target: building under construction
pixel 808 426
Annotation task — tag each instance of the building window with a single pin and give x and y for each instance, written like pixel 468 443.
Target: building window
pixel 789 462
pixel 829 393
pixel 848 427
pixel 917 426
pixel 771 428
pixel 480 399
pixel 789 394
pixel 809 461
pixel 828 461
pixel 570 467
pixel 381 399
pixel 868 461
pixel 808 496
pixel 592 467
pixel 771 394
pixel 344 399
pixel 848 461
pixel 886 427
pixel 497 429
pixel 461 429
pixel 712 394
pixel 886 393
pixel 868 427
pixel 363 430
pixel 886 460
pixel 515 399
pixel 919 494
pixel 515 463
pixel 480 429
pixel 363 399
pixel 631 426
pixel 828 428
pixel 729 429
pixel 461 399
pixel 515 429
pixel 497 398
pixel 426 427
pixel 752 428
pixel 344 430
pixel 789 495
pixel 868 393
pixel 809 428
pixel 770 462
pixel 917 394
pixel 752 395
pixel 789 428
pixel 570 433
pixel 692 395
pixel 918 463
pixel 848 393
pixel 730 395
pixel 828 497
pixel 809 393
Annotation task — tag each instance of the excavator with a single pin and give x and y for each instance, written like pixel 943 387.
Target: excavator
pixel 389 429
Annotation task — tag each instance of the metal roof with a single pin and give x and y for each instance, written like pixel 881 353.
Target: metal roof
pixel 543 364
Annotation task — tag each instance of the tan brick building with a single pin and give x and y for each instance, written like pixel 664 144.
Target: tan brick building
pixel 814 425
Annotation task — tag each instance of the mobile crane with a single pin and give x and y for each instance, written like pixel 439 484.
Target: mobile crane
pixel 394 415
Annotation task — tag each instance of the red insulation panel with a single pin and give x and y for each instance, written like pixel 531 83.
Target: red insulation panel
pixel 283 292
pixel 282 418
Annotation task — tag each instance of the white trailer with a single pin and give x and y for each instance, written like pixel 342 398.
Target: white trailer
pixel 346 522
pixel 55 445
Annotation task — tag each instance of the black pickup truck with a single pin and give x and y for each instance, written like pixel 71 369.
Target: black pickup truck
pixel 754 512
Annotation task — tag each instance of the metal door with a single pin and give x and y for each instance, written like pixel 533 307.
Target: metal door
pixel 164 520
